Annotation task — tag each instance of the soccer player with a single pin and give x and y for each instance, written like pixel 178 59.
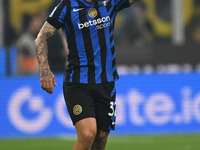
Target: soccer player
pixel 89 82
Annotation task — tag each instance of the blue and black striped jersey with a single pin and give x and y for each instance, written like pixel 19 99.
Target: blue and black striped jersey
pixel 88 28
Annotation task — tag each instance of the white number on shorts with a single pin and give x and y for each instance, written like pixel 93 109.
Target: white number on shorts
pixel 113 113
pixel 112 107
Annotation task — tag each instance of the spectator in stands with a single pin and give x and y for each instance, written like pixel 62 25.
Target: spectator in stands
pixel 143 31
pixel 137 30
pixel 26 57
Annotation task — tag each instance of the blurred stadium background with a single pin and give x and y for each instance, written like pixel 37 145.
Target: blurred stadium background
pixel 158 56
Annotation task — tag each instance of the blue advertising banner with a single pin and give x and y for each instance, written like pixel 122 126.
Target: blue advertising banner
pixel 146 104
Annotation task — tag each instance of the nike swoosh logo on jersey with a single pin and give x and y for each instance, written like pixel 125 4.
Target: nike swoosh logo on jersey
pixel 75 10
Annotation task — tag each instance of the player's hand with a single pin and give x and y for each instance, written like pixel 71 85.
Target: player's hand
pixel 47 79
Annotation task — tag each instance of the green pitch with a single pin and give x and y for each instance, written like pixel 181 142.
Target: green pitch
pixel 157 142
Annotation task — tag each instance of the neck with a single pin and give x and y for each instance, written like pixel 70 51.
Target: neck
pixel 92 1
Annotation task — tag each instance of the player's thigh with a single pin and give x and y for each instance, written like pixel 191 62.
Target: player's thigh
pixel 86 128
pixel 79 100
pixel 106 106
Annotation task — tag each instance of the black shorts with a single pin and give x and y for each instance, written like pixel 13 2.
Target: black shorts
pixel 92 101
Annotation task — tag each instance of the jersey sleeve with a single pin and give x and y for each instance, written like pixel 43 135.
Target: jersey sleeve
pixel 121 4
pixel 58 15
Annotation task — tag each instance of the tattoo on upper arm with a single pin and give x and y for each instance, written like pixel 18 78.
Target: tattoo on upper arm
pixel 49 30
pixel 41 47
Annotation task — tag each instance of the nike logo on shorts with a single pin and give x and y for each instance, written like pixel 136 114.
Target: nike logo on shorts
pixel 75 10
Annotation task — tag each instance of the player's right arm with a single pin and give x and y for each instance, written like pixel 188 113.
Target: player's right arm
pixel 47 78
pixel 121 4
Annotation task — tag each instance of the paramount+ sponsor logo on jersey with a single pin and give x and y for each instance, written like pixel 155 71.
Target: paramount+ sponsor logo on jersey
pixel 100 23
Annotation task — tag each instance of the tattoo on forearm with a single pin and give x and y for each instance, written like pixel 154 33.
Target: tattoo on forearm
pixel 41 47
pixel 45 73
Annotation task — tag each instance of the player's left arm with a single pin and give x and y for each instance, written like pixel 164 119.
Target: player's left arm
pixel 132 1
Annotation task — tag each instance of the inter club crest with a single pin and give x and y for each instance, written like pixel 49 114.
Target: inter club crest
pixel 92 12
pixel 77 110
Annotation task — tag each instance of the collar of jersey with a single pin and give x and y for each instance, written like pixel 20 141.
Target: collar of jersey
pixel 88 3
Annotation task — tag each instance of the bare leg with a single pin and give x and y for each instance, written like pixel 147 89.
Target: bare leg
pixel 86 130
pixel 100 140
